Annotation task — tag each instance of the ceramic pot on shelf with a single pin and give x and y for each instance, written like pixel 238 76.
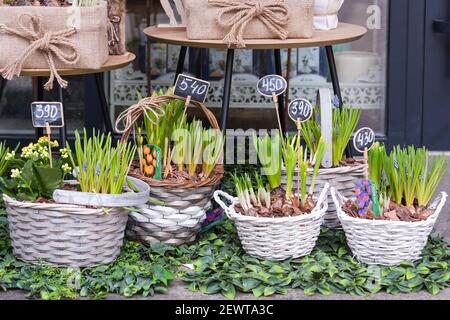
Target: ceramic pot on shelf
pixel 326 14
pixel 353 65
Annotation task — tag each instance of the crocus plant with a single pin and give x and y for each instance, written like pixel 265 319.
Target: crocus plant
pixel 345 121
pixel 101 167
pixel 406 176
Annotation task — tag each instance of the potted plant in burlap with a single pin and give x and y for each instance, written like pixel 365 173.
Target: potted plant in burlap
pixel 237 21
pixel 70 223
pixel 180 161
pixel 52 35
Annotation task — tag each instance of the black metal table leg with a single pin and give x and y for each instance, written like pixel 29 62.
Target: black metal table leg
pixel 103 103
pixel 180 64
pixel 63 130
pixel 3 82
pixel 38 95
pixel 227 88
pixel 279 71
pixel 333 74
pixel 336 85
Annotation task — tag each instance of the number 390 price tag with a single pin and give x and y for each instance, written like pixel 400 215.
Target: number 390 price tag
pixel 364 139
pixel 187 86
pixel 51 113
pixel 300 110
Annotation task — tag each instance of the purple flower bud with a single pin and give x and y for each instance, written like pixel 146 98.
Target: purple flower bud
pixel 336 102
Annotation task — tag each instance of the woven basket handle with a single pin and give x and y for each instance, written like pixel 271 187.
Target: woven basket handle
pixel 217 197
pixel 338 198
pixel 324 194
pixel 153 104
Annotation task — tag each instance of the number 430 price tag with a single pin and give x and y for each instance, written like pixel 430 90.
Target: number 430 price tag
pixel 364 139
pixel 194 88
pixel 49 114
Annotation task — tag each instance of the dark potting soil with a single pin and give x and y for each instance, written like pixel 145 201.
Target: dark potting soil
pixel 280 207
pixel 395 212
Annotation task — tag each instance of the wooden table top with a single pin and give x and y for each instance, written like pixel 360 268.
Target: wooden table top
pixel 113 63
pixel 343 34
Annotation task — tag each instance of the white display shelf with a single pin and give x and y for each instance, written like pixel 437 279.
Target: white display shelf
pixel 126 82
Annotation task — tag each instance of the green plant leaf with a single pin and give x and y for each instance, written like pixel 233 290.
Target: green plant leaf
pixel 161 274
pixel 268 291
pixel 229 292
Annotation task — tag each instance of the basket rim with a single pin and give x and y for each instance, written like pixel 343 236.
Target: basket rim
pixel 64 196
pixel 317 211
pixel 430 220
pixel 333 170
pixel 213 180
pixel 61 207
pixel 241 218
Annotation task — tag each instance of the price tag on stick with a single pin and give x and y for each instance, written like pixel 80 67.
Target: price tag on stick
pixel 51 113
pixel 47 115
pixel 272 86
pixel 192 89
pixel 364 139
pixel 300 110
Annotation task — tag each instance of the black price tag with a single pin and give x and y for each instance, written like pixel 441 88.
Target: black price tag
pixel 189 86
pixel 271 84
pixel 364 139
pixel 47 112
pixel 300 109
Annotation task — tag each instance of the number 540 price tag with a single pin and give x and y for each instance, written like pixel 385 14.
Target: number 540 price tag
pixel 49 114
pixel 194 88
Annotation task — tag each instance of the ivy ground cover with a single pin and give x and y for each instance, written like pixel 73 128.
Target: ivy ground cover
pixel 220 266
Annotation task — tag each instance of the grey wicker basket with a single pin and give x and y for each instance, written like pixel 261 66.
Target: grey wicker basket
pixel 174 216
pixel 65 235
pixel 71 235
pixel 341 178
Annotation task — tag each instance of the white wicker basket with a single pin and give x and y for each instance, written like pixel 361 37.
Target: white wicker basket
pixel 341 178
pixel 277 238
pixel 388 243
pixel 176 221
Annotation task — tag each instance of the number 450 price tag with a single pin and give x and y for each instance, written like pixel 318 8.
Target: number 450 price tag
pixel 48 114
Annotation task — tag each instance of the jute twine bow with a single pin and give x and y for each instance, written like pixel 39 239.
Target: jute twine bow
pixel 130 116
pixel 49 42
pixel 273 13
pixel 112 30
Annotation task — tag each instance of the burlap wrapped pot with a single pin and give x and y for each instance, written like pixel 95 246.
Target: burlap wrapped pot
pixel 248 19
pixel 52 38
